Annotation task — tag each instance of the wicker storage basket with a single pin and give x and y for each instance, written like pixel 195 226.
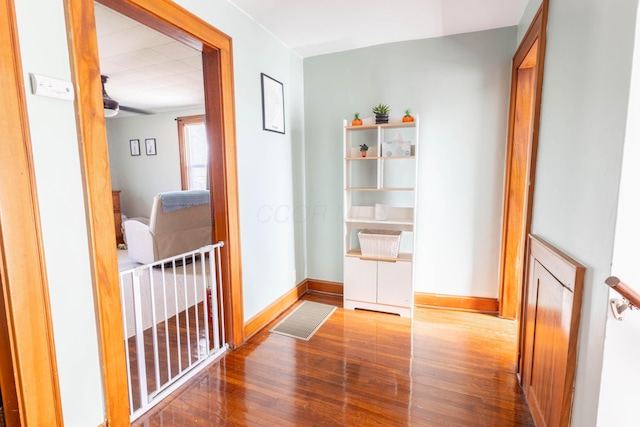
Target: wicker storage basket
pixel 379 243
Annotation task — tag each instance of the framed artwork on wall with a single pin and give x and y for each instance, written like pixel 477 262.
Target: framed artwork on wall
pixel 134 147
pixel 272 104
pixel 150 144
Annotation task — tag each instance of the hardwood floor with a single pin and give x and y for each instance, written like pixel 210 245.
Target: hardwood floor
pixel 444 368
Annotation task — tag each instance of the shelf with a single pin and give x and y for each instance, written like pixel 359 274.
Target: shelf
pixel 381 185
pixel 403 257
pixel 382 125
pixel 397 217
pixel 390 221
pixel 383 158
pixel 378 189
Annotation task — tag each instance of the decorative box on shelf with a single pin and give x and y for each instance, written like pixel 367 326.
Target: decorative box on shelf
pixel 396 147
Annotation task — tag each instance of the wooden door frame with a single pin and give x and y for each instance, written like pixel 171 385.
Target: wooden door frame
pixel 28 367
pixel 176 22
pixel 510 298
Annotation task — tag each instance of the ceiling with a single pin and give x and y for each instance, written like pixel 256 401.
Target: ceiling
pixel 150 71
pixel 313 28
pixel 146 69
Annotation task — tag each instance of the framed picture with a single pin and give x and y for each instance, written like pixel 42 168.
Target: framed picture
pixel 272 104
pixel 134 147
pixel 150 144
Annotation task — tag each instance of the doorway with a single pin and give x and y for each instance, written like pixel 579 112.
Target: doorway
pixel 522 146
pixel 175 22
pixel 28 368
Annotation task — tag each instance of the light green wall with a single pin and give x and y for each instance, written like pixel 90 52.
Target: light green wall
pixel 459 86
pixel 582 130
pixel 43 48
pixel 268 175
pixel 269 178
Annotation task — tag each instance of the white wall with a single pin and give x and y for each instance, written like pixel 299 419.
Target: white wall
pixel 619 392
pixel 42 35
pixel 269 183
pixel 527 17
pixel 140 178
pixel 582 130
pixel 459 86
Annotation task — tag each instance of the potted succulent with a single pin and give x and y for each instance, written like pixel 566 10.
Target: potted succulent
pixel 407 116
pixel 357 121
pixel 363 150
pixel 382 113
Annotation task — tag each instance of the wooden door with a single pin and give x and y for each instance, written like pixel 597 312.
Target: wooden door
pixel 524 113
pixel 551 321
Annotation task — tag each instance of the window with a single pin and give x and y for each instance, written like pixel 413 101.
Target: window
pixel 194 153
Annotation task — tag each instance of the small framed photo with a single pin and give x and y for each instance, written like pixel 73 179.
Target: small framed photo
pixel 134 147
pixel 150 144
pixel 272 104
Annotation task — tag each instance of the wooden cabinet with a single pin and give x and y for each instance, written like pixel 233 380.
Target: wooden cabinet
pixel 378 285
pixel 117 216
pixel 379 194
pixel 549 332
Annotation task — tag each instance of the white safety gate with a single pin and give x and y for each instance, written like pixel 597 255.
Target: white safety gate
pixel 173 321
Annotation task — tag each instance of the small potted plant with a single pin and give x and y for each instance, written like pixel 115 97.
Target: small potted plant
pixel 363 150
pixel 357 121
pixel 407 116
pixel 382 113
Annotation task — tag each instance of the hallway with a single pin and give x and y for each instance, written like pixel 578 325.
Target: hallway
pixel 361 369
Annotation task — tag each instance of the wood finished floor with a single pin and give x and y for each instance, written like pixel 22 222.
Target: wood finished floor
pixel 444 368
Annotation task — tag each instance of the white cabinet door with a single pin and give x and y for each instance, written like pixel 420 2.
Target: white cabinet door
pixel 360 278
pixel 394 283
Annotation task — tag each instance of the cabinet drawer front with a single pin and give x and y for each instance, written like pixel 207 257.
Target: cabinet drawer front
pixel 395 284
pixel 360 277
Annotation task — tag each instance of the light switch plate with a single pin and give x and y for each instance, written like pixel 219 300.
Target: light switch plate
pixel 51 87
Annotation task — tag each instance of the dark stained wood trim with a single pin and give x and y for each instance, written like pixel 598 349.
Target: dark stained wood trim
pixel 262 319
pixel 479 304
pixel 28 367
pixel 565 269
pixel 94 155
pixel 220 125
pixel 324 286
pixel 510 300
pixel 176 22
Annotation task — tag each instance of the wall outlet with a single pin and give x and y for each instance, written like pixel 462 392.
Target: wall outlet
pixel 293 276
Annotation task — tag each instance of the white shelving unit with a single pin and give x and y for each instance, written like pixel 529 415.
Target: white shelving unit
pixel 384 177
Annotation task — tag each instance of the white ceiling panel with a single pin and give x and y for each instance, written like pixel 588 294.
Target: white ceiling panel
pixel 151 71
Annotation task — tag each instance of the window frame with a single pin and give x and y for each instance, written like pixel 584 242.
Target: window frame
pixel 182 145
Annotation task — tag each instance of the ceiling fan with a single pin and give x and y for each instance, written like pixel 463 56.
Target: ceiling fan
pixel 111 106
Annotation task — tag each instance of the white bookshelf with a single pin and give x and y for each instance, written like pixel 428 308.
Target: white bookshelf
pixel 378 283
